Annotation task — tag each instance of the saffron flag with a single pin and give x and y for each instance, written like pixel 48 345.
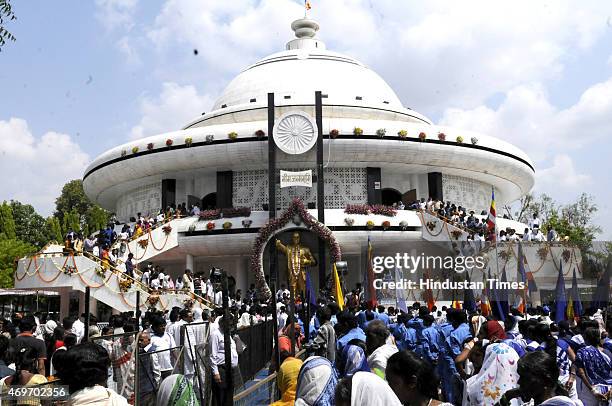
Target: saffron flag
pixel 428 294
pixel 307 5
pixel 491 220
pixel 370 292
pixel 560 300
pixel 338 290
pixel 485 304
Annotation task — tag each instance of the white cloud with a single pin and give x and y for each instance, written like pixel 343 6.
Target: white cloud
pixel 172 109
pixel 36 168
pixel 434 54
pixel 116 13
pixel 132 59
pixel 562 174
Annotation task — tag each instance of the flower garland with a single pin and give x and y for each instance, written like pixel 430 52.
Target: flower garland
pixel 167 229
pixel 101 272
pixel 456 234
pixel 69 270
pixel 210 214
pixel 125 284
pixel 143 243
pixel 272 226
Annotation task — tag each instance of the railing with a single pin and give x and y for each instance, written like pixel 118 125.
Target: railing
pixel 258 352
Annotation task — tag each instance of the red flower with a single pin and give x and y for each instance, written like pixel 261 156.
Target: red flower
pixel 169 142
pixel 150 146
pixel 210 226
pixel 441 136
pixel 260 133
pixel 334 133
pixel 422 136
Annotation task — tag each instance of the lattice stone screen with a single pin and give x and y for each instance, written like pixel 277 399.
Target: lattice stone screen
pixel 342 186
pixel 144 199
pixel 469 193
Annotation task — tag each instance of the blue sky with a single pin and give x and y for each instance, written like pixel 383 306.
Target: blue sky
pixel 85 76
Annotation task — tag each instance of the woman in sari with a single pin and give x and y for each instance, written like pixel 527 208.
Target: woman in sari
pixel 497 375
pixel 594 369
pixel 365 388
pixel 176 390
pixel 352 359
pixel 316 383
pixel 287 381
pixel 539 381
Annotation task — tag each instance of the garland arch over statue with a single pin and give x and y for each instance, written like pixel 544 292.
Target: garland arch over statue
pixel 272 227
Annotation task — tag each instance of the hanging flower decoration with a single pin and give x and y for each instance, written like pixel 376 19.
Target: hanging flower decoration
pixel 233 135
pixel 357 131
pixel 134 150
pixel 383 210
pixel 69 270
pixel 274 225
pixel 167 229
pixel 123 152
pixel 381 132
pixel 188 141
pixel 227 225
pixel 101 272
pixel 441 136
pixel 504 255
pixel 370 224
pixel 404 225
pixel 357 209
pixel 402 133
pixel 143 243
pixel 150 146
pixel 169 142
pixel 349 221
pixel 210 226
pixel 474 140
pixel 422 136
pixel 212 214
pixel 431 225
pixel 246 223
pixel 456 234
pixel 386 224
pixel 459 139
pixel 334 133
pixel 210 138
pixel 153 299
pixel 260 133
pixel 125 284
pixel 566 254
pixel 543 253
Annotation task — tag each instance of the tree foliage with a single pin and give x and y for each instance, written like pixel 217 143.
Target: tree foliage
pixel 6 14
pixel 7 222
pixel 10 250
pixel 30 226
pixel 55 229
pixel 76 212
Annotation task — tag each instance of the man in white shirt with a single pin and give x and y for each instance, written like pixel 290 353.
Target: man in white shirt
pixel 282 318
pixel 78 328
pixel 146 276
pixel 534 222
pixel 160 340
pixel 526 235
pixel 536 235
pixel 219 370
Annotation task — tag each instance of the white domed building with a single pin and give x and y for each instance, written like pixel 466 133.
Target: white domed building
pixel 335 128
pixel 374 151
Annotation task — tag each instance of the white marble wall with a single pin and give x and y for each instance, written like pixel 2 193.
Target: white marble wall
pixel 470 193
pixel 144 199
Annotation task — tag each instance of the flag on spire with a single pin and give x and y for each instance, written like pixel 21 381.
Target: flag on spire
pixel 307 5
pixel 491 220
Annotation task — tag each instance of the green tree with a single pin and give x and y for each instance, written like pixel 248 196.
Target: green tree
pixel 6 14
pixel 30 226
pixel 74 200
pixel 10 250
pixel 7 223
pixel 55 229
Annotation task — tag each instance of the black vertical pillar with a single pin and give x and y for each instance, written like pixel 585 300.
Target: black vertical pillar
pixel 434 182
pixel 320 184
pixel 224 189
pixel 87 319
pixel 272 188
pixel 374 186
pixel 168 193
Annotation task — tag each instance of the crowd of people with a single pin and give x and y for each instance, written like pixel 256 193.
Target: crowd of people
pixel 365 355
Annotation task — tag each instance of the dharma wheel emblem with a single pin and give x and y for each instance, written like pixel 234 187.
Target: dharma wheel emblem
pixel 295 133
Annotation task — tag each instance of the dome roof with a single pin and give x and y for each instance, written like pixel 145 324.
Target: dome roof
pixel 306 66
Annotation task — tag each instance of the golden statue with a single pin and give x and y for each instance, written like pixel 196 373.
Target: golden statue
pixel 298 258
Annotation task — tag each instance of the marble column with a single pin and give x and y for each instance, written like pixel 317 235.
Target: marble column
pixel 189 262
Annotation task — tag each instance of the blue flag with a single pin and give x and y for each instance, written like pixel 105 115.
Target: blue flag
pixel 496 305
pixel 310 295
pixel 576 296
pixel 469 302
pixel 560 299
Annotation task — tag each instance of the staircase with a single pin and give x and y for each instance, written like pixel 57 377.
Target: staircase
pixel 110 285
